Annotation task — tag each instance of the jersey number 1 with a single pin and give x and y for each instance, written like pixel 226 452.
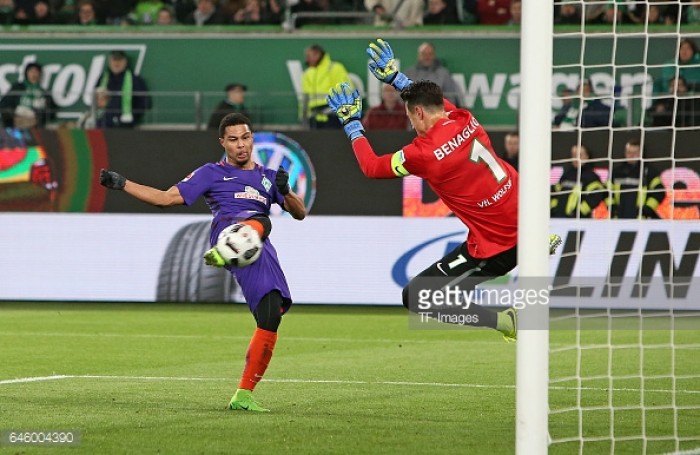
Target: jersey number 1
pixel 481 153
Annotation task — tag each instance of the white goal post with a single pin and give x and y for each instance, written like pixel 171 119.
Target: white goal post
pixel 610 366
pixel 533 223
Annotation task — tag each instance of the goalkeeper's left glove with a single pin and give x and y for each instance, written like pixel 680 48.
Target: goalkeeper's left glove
pixel 282 181
pixel 383 65
pixel 112 180
pixel 347 105
pixel 213 258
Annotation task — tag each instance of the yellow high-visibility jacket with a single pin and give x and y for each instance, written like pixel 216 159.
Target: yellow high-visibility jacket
pixel 317 81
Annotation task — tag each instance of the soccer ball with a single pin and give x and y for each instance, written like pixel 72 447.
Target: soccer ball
pixel 239 245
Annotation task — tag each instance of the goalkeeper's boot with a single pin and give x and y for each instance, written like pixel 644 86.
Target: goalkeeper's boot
pixel 554 242
pixel 507 324
pixel 213 258
pixel 243 401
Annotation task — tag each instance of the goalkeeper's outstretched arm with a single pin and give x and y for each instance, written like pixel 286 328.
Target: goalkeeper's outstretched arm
pixel 377 167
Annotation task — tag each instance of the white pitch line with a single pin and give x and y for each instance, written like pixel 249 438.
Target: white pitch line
pixel 333 381
pixel 35 379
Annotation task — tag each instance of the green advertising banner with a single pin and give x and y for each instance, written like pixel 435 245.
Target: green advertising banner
pixel 187 73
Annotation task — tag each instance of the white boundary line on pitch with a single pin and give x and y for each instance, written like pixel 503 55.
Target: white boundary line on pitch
pixel 328 381
pixel 35 379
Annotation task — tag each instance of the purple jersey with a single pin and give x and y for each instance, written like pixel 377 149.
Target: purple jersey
pixel 234 194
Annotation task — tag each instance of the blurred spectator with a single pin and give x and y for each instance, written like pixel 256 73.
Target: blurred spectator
pixel 96 117
pixel 594 11
pixel 568 13
pixel 632 12
pixel 467 11
pixel 258 12
pixel 511 143
pixel 206 13
pixel 687 63
pixel 493 12
pixel 429 67
pixel 146 11
pixel 691 12
pixel 399 13
pixel 128 93
pixel 182 9
pixel 27 104
pixel 565 94
pixel 234 102
pixel 579 189
pixel 166 16
pixel 41 14
pixel 439 13
pixel 23 12
pixel 113 12
pixel 7 12
pixel 390 114
pixel 614 13
pixel 685 105
pixel 516 12
pixel 86 13
pixel 320 76
pixel 309 6
pixel 587 110
pixel 636 187
pixel 654 16
pixel 65 11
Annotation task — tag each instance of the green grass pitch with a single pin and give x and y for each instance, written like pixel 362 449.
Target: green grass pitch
pixel 156 378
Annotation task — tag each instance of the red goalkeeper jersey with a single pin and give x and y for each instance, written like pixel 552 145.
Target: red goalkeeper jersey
pixel 457 160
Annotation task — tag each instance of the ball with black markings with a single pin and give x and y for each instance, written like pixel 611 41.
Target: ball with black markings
pixel 239 245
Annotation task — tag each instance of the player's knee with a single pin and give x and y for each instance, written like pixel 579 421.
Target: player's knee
pixel 268 314
pixel 271 323
pixel 266 225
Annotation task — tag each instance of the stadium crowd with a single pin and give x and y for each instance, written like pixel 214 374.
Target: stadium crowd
pixel 402 13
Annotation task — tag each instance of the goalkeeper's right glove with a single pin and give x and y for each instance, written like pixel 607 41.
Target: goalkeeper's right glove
pixel 347 105
pixel 112 180
pixel 383 65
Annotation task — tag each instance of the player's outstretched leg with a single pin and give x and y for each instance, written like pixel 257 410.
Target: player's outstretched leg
pixel 508 319
pixel 268 315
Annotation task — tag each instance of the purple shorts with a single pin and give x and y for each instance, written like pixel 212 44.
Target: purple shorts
pixel 262 277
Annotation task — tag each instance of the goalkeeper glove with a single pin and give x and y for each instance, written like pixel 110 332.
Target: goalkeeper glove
pixel 383 65
pixel 282 181
pixel 347 105
pixel 112 180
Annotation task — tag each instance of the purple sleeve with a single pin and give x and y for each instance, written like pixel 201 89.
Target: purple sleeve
pixel 195 185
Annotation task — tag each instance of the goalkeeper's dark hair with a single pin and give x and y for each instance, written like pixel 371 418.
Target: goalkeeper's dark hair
pixel 423 93
pixel 233 119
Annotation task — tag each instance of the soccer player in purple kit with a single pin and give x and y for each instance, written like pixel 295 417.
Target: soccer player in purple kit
pixel 237 190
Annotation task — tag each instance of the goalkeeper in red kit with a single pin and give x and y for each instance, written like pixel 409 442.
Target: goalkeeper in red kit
pixel 454 155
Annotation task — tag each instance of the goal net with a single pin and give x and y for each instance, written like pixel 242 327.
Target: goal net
pixel 624 338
